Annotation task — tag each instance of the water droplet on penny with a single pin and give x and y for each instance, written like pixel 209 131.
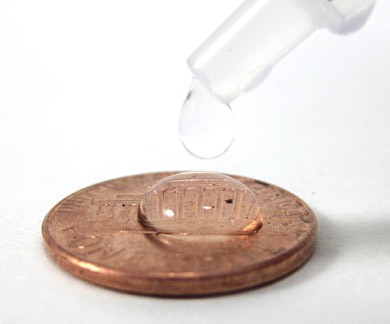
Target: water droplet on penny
pixel 200 203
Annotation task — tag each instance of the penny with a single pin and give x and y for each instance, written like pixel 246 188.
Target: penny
pixel 180 234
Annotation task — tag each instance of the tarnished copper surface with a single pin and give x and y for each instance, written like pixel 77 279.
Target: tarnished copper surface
pixel 102 235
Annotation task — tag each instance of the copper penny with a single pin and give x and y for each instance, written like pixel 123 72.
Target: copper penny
pixel 180 234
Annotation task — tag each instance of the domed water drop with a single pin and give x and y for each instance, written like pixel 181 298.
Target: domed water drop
pixel 200 203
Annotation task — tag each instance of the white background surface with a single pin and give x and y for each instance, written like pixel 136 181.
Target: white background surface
pixel 91 90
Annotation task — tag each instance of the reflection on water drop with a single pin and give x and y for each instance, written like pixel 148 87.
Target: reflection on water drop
pixel 169 213
pixel 206 124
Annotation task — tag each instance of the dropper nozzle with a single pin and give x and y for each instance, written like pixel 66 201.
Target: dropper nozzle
pixel 242 51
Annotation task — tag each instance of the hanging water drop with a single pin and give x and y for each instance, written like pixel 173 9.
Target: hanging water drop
pixel 206 123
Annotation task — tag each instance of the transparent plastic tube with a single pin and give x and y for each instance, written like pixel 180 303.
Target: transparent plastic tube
pixel 241 52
